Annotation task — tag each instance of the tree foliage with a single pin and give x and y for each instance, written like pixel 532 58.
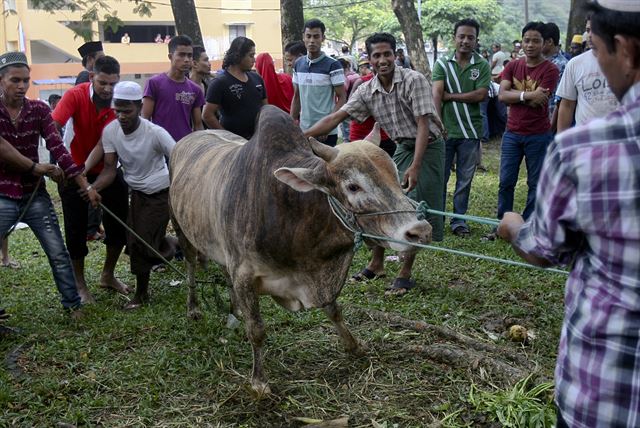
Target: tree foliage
pixel 349 22
pixel 439 16
pixel 92 11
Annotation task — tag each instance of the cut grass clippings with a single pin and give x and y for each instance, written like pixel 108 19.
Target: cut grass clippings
pixel 153 367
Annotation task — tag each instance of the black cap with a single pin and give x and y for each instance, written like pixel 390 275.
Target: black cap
pixel 12 58
pixel 89 48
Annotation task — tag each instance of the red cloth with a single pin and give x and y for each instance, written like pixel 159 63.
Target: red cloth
pixel 278 85
pixel 88 124
pixel 358 131
pixel 525 120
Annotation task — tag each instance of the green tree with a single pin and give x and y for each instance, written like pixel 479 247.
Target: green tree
pixel 349 22
pixel 439 17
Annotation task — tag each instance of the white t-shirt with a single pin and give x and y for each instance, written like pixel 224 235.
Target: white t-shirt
pixel 583 81
pixel 500 57
pixel 141 154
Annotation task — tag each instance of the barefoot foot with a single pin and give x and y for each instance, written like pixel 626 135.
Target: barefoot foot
pixel 113 283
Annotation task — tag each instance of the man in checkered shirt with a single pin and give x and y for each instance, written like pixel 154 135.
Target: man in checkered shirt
pixel 588 215
pixel 400 100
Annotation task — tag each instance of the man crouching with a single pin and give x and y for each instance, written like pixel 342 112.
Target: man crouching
pixel 141 148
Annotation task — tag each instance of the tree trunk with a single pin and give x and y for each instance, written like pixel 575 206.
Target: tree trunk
pixel 408 17
pixel 434 43
pixel 292 21
pixel 186 18
pixel 577 15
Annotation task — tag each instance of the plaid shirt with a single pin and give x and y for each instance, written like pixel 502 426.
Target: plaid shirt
pixel 396 111
pixel 35 122
pixel 588 213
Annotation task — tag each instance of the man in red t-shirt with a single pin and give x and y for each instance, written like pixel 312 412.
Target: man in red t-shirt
pixel 527 83
pixel 89 104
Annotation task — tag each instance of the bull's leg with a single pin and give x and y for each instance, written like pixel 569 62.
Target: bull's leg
pixel 351 344
pixel 191 259
pixel 247 301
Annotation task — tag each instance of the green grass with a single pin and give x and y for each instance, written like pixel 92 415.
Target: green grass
pixel 153 367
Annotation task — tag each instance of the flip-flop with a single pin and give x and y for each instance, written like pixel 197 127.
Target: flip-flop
pixel 400 287
pixel 366 275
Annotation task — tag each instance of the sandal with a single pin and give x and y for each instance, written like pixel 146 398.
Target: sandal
pixel 3 315
pixel 366 275
pixel 400 287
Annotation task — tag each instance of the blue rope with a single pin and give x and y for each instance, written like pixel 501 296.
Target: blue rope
pixel 464 253
pixel 348 220
pixel 423 209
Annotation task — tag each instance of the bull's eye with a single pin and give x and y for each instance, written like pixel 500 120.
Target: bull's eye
pixel 353 187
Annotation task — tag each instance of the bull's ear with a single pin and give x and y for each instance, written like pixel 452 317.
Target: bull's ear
pixel 374 135
pixel 324 152
pixel 300 179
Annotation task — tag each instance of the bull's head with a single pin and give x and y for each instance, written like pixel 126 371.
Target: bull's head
pixel 365 180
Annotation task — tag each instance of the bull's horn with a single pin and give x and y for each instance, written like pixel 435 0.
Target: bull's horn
pixel 324 152
pixel 374 135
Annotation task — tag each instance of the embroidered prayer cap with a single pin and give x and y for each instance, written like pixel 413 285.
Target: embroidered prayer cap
pixel 127 90
pixel 89 48
pixel 13 58
pixel 577 38
pixel 619 5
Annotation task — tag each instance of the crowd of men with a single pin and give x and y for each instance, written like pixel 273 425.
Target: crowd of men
pixel 575 123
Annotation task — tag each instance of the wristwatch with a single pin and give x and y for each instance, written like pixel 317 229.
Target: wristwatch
pixel 522 97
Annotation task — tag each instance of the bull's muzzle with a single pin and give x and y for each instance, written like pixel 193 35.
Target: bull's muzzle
pixel 418 232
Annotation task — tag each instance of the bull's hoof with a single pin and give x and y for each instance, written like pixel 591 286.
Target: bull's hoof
pixel 359 349
pixel 194 314
pixel 260 390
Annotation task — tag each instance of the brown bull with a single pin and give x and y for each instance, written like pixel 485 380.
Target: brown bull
pixel 259 209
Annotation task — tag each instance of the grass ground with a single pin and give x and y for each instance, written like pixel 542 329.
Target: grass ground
pixel 153 367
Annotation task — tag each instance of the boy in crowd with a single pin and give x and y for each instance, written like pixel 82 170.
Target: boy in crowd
pixel 141 147
pixel 89 104
pixel 22 123
pixel 527 84
pixel 318 80
pixel 171 100
pixel 460 84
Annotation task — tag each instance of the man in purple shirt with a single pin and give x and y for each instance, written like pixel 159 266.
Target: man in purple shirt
pixel 171 100
pixel 23 195
pixel 588 216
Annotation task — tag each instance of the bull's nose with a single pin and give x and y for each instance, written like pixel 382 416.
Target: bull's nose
pixel 419 232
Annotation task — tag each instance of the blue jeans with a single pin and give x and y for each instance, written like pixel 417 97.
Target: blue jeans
pixel 42 220
pixel 345 127
pixel 484 110
pixel 466 154
pixel 514 147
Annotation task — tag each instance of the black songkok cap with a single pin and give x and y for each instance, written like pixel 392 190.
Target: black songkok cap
pixel 89 48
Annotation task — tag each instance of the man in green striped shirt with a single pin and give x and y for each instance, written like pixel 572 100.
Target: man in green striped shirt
pixel 460 84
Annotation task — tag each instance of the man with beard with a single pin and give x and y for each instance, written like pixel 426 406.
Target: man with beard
pixel 89 104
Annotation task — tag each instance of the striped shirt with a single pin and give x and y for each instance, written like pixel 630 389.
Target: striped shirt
pixel 315 79
pixel 396 111
pixel 588 214
pixel 462 120
pixel 34 122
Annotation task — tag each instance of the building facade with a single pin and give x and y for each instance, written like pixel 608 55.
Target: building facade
pixel 51 44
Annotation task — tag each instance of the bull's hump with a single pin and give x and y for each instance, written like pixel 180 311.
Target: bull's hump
pixel 276 129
